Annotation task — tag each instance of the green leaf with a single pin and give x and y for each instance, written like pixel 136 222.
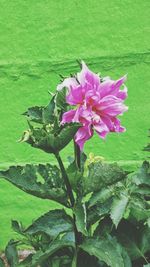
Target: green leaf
pixel 55 246
pixel 107 250
pixel 102 174
pixel 11 253
pixel 139 209
pixel 48 112
pixel 81 217
pixel 51 223
pixel 135 239
pixel 51 142
pixel 43 181
pixel 75 176
pixel 17 226
pixel 60 100
pixel 42 115
pixel 96 212
pixel 34 114
pixel 143 175
pixel 2 264
pixel 147 265
pixel 118 208
pixel 101 196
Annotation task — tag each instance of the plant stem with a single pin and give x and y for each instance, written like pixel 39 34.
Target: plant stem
pixel 77 155
pixel 66 180
pixel 72 201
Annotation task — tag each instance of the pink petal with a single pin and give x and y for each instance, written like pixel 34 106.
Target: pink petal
pixel 111 106
pixel 117 126
pixel 68 82
pixel 75 96
pixel 122 94
pixel 101 129
pixel 68 116
pixel 120 81
pixel 110 87
pixel 82 135
pixel 88 76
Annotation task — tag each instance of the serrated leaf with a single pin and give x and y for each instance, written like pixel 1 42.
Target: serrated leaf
pixel 139 209
pixel 53 143
pixel 48 112
pixel 81 217
pixel 118 208
pixel 60 100
pixel 101 196
pixel 51 223
pixel 34 114
pixel 96 212
pixel 102 174
pixel 105 249
pixel 11 254
pixel 142 177
pixel 32 180
pixel 135 239
pixel 56 245
pixel 42 115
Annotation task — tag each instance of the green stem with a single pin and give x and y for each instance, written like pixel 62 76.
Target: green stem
pixel 66 180
pixel 72 201
pixel 77 153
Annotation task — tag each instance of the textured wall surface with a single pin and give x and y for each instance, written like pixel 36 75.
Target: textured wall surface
pixel 39 39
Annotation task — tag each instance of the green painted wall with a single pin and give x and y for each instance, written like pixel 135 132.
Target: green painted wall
pixel 39 39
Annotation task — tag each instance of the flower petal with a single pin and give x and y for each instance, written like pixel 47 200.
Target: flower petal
pixel 111 106
pixel 68 82
pixel 82 135
pixel 75 96
pixel 110 87
pixel 87 76
pixel 101 129
pixel 68 116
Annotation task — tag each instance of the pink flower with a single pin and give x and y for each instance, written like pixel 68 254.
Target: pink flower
pixel 97 103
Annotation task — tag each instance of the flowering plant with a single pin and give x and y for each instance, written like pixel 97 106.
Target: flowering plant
pixel 105 217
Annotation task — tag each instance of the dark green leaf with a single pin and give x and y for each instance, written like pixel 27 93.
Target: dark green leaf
pixel 34 114
pixel 101 196
pixel 102 174
pixel 139 209
pixel 60 100
pixel 143 174
pixel 75 176
pixel 51 223
pixel 81 216
pixel 48 112
pixel 55 246
pixel 118 208
pixel 43 181
pixel 135 239
pixel 11 253
pixel 107 250
pixel 49 142
pixel 96 212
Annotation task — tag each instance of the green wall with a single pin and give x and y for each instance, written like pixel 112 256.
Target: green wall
pixel 39 39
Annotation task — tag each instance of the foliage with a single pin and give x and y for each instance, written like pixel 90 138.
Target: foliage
pixel 105 218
